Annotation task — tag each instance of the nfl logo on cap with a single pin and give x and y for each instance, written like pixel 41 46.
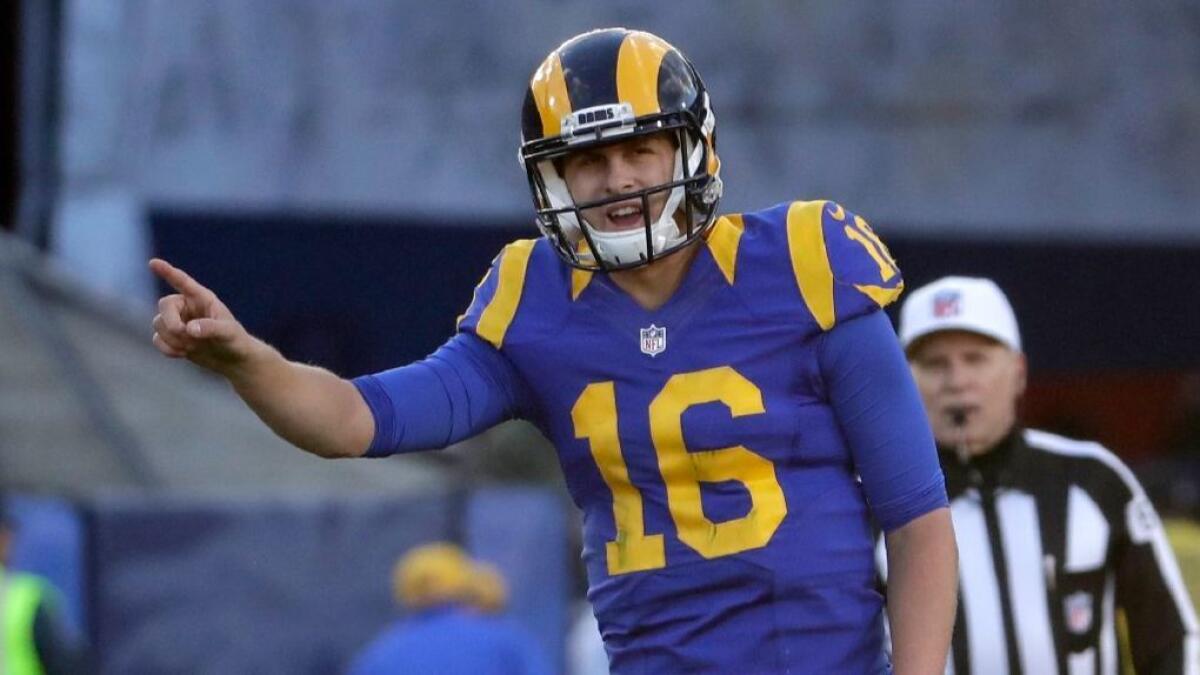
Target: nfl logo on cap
pixel 946 304
pixel 654 340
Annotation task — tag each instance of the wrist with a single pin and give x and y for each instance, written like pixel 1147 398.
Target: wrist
pixel 251 364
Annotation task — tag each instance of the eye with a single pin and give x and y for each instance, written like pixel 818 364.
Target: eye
pixel 931 364
pixel 975 358
pixel 583 160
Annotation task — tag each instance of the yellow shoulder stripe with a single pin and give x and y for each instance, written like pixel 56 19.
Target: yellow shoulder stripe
pixel 810 260
pixel 580 278
pixel 579 281
pixel 474 295
pixel 499 313
pixel 723 243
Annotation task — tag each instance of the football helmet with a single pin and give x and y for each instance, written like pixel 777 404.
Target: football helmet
pixel 607 86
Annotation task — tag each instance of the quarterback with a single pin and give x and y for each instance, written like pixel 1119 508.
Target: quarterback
pixel 731 409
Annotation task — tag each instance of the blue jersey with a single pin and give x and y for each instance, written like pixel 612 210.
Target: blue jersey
pixel 725 524
pixel 451 640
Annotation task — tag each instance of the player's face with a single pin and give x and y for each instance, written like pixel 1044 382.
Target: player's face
pixel 982 377
pixel 610 170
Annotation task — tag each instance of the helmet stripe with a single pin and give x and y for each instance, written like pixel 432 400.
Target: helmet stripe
pixel 590 65
pixel 637 71
pixel 549 89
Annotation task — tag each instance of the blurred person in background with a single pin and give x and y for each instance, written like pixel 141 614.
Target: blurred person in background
pixel 35 636
pixel 1054 535
pixel 488 590
pixel 447 631
pixel 488 596
pixel 715 387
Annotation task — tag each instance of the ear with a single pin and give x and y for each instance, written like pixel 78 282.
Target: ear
pixel 1021 366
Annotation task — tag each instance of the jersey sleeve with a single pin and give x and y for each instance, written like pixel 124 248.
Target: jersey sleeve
pixel 1163 632
pixel 880 414
pixel 842 268
pixel 462 389
pixel 498 295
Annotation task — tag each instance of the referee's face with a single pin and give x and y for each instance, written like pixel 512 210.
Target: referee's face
pixel 970 385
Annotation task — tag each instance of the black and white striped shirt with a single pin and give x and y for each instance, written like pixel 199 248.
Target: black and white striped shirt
pixel 1054 535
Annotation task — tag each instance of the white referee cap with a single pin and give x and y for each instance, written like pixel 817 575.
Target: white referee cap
pixel 971 304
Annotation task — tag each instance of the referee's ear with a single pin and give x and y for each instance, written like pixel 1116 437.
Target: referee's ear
pixel 1021 366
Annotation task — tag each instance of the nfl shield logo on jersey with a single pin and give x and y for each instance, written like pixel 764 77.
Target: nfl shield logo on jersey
pixel 654 340
pixel 1078 609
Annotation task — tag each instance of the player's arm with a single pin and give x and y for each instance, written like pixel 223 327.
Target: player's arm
pixel 307 406
pixel 922 591
pixel 880 414
pixel 846 274
pixel 1164 638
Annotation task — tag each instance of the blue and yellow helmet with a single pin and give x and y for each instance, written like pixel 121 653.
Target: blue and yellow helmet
pixel 607 86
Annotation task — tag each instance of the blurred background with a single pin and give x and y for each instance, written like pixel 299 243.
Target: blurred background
pixel 342 173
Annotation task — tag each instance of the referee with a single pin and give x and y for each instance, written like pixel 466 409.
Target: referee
pixel 1054 535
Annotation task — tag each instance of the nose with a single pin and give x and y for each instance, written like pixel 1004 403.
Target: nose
pixel 957 377
pixel 621 174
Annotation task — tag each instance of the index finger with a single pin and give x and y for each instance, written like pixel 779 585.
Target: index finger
pixel 178 279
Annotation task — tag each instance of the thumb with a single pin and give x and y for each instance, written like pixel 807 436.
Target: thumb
pixel 212 329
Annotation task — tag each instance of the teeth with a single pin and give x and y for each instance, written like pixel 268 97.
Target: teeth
pixel 625 211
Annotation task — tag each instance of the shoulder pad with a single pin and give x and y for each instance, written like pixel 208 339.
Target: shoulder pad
pixel 842 268
pixel 496 298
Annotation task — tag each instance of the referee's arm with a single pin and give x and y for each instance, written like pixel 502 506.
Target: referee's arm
pixel 1163 632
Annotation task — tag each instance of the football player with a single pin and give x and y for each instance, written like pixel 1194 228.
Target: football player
pixel 731 408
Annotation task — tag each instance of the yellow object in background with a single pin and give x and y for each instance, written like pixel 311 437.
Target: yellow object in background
pixel 432 574
pixel 1184 535
pixel 442 572
pixel 489 590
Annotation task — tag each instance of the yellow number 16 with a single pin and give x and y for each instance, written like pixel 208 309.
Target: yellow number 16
pixel 595 418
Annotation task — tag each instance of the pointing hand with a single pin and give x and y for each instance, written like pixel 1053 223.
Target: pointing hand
pixel 194 324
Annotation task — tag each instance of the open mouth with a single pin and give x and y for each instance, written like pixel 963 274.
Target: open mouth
pixel 624 216
pixel 958 415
